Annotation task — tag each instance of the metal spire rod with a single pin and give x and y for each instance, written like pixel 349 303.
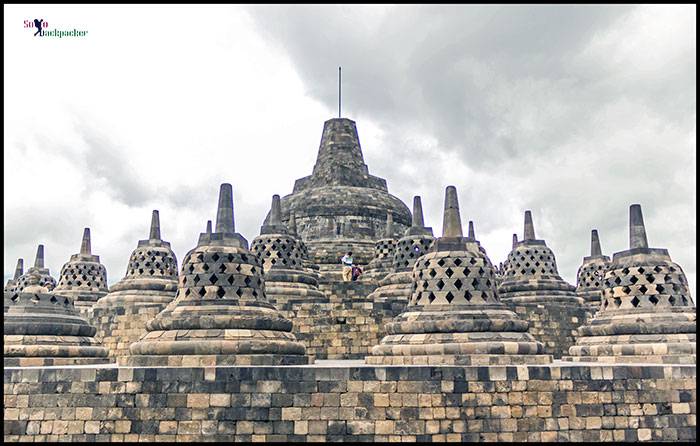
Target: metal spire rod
pixel 339 96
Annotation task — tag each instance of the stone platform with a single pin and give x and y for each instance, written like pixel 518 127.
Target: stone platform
pixel 349 401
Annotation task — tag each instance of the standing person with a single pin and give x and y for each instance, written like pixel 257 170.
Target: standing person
pixel 347 267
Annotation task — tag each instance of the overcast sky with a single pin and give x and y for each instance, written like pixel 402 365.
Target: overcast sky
pixel 574 112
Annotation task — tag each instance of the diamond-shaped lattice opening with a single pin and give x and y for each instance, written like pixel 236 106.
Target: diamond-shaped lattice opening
pixel 475 283
pixel 672 300
pixel 230 279
pixel 432 273
pixel 247 281
pixel 684 299
pixel 220 292
pixel 617 280
pixel 440 284
pixel 659 288
pixel 458 284
pixel 449 272
pixel 441 262
pixel 650 278
pixel 239 292
pixel 657 269
pixel 635 301
pixel 213 279
pixel 481 271
pixel 634 279
pixel 450 297
pixel 625 271
pixel 618 301
pixel 653 299
pixel 472 261
pixel 202 292
pixel 626 290
pixel 468 295
pixel 431 297
pixel 230 257
pixel 457 262
pixel 640 270
pixel 643 289
pixel 222 268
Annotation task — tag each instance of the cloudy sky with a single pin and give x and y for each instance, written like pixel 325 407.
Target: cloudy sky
pixel 575 112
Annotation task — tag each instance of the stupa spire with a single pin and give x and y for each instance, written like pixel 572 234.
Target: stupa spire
pixel 224 215
pixel 19 269
pixel 451 223
pixel 529 233
pixel 638 234
pixel 595 244
pixel 292 224
pixel 85 248
pixel 470 232
pixel 389 229
pixel 275 211
pixel 417 216
pixel 155 226
pixel 208 227
pixel 515 240
pixel 39 260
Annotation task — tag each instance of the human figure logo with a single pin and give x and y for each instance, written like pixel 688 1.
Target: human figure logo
pixel 37 23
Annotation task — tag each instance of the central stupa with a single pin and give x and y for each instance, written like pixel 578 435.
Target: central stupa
pixel 340 207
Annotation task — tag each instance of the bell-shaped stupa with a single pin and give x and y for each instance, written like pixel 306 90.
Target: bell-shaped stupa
pixel 415 242
pixel 149 285
pixel 45 279
pixel 11 284
pixel 220 315
pixel 287 279
pixel 44 329
pixel 341 207
pixel 531 274
pixel 83 278
pixel 647 314
pixel 383 260
pixel 589 278
pixel 454 315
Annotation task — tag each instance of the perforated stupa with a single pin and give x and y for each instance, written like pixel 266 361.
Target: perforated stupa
pixel 383 260
pixel 647 314
pixel 83 278
pixel 44 329
pixel 589 278
pixel 287 279
pixel 150 283
pixel 11 284
pixel 415 242
pixel 45 279
pixel 454 315
pixel 220 315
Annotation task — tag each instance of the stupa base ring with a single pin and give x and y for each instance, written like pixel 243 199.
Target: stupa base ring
pixel 460 360
pixel 213 360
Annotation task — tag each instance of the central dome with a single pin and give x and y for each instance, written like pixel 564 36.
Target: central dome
pixel 340 207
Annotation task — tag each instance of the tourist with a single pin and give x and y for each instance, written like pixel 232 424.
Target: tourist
pixel 347 267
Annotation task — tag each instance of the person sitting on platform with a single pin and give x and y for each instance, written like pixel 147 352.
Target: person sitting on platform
pixel 347 267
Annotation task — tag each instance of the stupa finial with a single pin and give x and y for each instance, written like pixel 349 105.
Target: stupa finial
pixel 470 232
pixel 155 226
pixel 19 269
pixel 595 244
pixel 389 229
pixel 224 215
pixel 208 227
pixel 275 211
pixel 85 247
pixel 39 261
pixel 417 219
pixel 515 240
pixel 292 226
pixel 451 223
pixel 529 227
pixel 638 234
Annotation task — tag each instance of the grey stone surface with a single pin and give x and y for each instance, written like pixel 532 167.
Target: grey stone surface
pixel 11 284
pixel 589 277
pixel 220 314
pixel 83 278
pixel 454 315
pixel 647 314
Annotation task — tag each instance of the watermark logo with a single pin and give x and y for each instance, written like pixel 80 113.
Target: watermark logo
pixel 42 29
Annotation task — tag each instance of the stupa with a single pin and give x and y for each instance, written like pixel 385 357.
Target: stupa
pixel 589 278
pixel 83 278
pixel 11 284
pixel 415 242
pixel 149 285
pixel 220 315
pixel 647 314
pixel 287 280
pixel 383 259
pixel 341 207
pixel 44 329
pixel 454 315
pixel 45 278
pixel 531 286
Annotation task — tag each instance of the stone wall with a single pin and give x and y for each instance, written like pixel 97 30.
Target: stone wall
pixel 346 327
pixel 352 403
pixel 119 327
pixel 553 324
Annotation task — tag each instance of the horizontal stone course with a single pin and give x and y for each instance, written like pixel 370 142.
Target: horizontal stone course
pixel 557 402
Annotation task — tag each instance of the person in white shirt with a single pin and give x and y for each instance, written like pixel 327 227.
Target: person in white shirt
pixel 347 267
